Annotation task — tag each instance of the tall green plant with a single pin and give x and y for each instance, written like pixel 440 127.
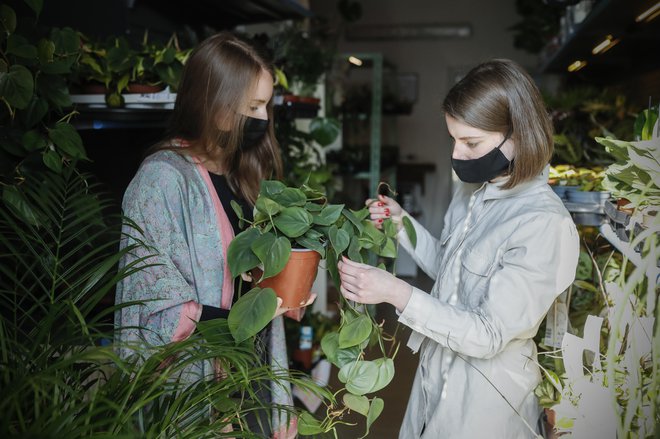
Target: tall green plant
pixel 59 377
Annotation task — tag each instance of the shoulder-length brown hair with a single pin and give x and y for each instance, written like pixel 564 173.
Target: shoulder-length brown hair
pixel 499 96
pixel 216 83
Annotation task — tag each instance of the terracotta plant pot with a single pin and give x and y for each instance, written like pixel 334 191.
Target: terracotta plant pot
pixel 144 88
pixel 294 283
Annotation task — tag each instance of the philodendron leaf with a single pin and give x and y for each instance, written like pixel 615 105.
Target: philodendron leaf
pixel 251 313
pixel 357 222
pixel 268 206
pixel 329 215
pixel 330 346
pixel 357 403
pixel 385 373
pixel 269 188
pixel 372 233
pixel 17 86
pixel 354 250
pixel 67 139
pixel 7 19
pixel 389 227
pixel 240 256
pixel 308 425
pixel 311 244
pixel 355 332
pixel 348 355
pixel 290 197
pixel 32 140
pixel 17 203
pixel 359 377
pixel 293 221
pixel 339 239
pixel 238 210
pixel 375 410
pixel 273 252
pixel 410 231
pixel 388 250
pixel 53 160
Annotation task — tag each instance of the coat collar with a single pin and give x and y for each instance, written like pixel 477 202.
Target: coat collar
pixel 494 191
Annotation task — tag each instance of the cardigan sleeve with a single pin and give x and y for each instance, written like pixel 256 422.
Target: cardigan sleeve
pixel 167 305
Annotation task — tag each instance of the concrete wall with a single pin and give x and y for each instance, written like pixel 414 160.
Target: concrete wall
pixel 423 134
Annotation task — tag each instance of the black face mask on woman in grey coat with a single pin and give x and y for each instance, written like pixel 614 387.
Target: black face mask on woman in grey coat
pixel 484 168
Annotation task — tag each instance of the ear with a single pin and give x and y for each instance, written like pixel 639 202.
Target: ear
pixel 509 149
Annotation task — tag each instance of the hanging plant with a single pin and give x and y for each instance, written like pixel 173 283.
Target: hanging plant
pixel 288 219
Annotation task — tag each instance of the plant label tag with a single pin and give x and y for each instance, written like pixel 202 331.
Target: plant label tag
pixel 556 323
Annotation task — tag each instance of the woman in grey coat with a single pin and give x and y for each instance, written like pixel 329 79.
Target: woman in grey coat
pixel 508 249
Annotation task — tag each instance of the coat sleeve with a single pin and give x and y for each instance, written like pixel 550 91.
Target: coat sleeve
pixel 535 269
pixel 427 254
pixel 164 284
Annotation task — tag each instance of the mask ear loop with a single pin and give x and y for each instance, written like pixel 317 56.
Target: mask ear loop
pixel 507 137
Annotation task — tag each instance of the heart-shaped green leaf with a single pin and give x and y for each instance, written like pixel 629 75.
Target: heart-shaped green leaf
pixel 67 139
pixel 308 425
pixel 290 197
pixel 270 188
pixel 375 410
pixel 359 377
pixel 293 221
pixel 251 313
pixel 7 19
pixel 273 252
pixel 354 250
pixel 35 111
pixel 388 250
pixel 311 244
pixel 53 160
pixel 240 256
pixel 54 89
pixel 330 346
pixel 385 373
pixel 33 140
pixel 267 206
pixel 17 86
pixel 355 332
pixel 410 231
pixel 339 239
pixel 348 355
pixel 359 404
pixel 329 215
pixel 354 220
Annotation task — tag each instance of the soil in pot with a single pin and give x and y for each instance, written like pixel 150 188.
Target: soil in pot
pixel 294 283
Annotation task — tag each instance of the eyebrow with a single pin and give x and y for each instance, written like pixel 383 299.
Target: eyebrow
pixel 467 137
pixel 261 101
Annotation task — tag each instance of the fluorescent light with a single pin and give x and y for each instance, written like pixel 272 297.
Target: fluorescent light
pixel 605 45
pixel 577 65
pixel 649 14
pixel 355 61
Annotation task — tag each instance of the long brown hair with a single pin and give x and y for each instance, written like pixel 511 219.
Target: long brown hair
pixel 499 96
pixel 217 79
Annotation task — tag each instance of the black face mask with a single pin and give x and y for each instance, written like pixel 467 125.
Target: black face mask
pixel 484 168
pixel 253 131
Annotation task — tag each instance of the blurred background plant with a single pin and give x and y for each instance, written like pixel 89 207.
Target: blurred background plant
pixel 580 114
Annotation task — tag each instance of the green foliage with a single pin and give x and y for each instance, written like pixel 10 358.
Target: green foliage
pixel 540 22
pixel 115 64
pixel 35 133
pixel 581 113
pixel 303 217
pixel 58 262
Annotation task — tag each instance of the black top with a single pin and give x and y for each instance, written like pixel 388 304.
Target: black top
pixel 226 196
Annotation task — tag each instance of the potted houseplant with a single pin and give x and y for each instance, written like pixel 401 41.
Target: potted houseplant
pixel 287 220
